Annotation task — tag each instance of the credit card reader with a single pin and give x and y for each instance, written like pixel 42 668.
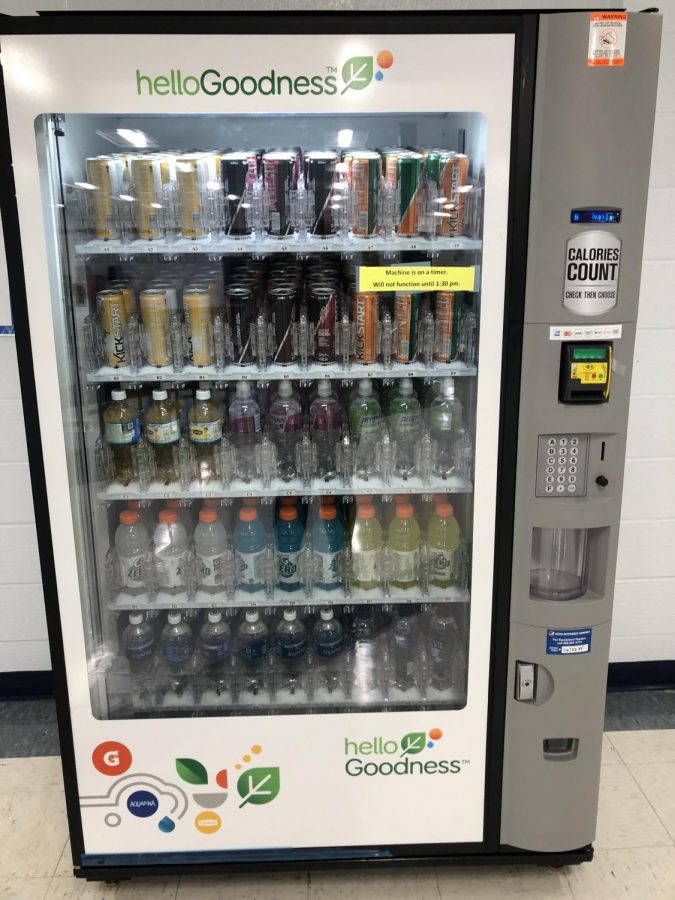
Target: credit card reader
pixel 585 372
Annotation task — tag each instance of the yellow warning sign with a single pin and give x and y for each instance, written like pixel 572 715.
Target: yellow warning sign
pixel 417 278
pixel 590 373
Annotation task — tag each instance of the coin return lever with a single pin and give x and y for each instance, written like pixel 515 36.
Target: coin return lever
pixel 585 372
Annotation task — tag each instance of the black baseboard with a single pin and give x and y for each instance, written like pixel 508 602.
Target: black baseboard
pixel 641 676
pixel 26 685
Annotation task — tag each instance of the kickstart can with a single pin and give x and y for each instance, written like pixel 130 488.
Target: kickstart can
pixel 241 314
pixel 282 305
pixel 323 312
pixel 197 306
pixel 406 318
pixel 320 175
pixel 146 182
pixel 445 309
pixel 364 172
pixel 235 172
pixel 155 318
pixel 128 293
pixel 366 320
pixel 280 178
pixel 405 170
pixel 192 177
pixel 453 176
pixel 113 319
pixel 106 173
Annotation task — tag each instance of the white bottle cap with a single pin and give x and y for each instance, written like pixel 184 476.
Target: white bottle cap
pixel 159 395
pixel 214 616
pixel 365 388
pixel 324 389
pixel 405 387
pixel 135 618
pixel 285 389
pixel 203 394
pixel 290 615
pixel 174 618
pixel 448 387
pixel 243 389
pixel 326 615
pixel 118 395
pixel 252 615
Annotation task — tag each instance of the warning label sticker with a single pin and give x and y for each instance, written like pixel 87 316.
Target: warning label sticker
pixel 592 261
pixel 417 278
pixel 607 38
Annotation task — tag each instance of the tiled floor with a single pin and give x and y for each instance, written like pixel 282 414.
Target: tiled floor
pixel 635 847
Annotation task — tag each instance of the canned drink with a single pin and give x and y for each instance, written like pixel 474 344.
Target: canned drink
pixel 406 318
pixel 366 319
pixel 128 293
pixel 320 176
pixel 155 318
pixel 170 290
pixel 193 174
pixel 453 176
pixel 146 181
pixel 404 170
pixel 280 180
pixel 113 319
pixel 282 306
pixel 241 315
pixel 364 174
pixel 236 177
pixel 323 312
pixel 167 169
pixel 445 308
pixel 197 306
pixel 106 174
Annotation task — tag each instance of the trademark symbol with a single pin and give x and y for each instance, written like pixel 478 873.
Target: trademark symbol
pixel 331 69
pixel 465 762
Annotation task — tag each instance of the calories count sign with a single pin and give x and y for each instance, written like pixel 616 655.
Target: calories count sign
pixel 592 262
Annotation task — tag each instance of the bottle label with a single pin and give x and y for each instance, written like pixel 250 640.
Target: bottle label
pixel 406 423
pixel 282 421
pixel 123 432
pixel 211 569
pixel 252 568
pixel 442 564
pixel 328 649
pixel 291 649
pixel 131 570
pixel 247 424
pixel 206 432
pixel 288 568
pixel 170 571
pixel 215 651
pixel 177 651
pixel 326 418
pixel 140 652
pixel 366 565
pixel 366 424
pixel 405 564
pixel 254 650
pixel 163 432
pixel 329 567
pixel 441 419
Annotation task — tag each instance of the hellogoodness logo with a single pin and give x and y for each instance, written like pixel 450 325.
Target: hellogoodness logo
pixel 356 74
pixel 400 752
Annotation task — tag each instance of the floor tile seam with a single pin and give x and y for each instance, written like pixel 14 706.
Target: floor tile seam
pixel 670 833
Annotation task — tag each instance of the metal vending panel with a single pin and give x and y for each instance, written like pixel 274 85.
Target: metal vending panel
pixel 591 150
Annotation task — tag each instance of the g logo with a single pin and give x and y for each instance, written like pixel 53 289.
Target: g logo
pixel 111 758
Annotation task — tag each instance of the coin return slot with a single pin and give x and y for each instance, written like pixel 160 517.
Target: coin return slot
pixel 561 749
pixel 602 452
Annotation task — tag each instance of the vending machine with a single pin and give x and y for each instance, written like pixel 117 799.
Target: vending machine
pixel 325 325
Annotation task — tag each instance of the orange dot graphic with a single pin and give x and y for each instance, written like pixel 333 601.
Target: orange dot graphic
pixel 385 58
pixel 246 757
pixel 435 734
pixel 256 748
pixel 237 766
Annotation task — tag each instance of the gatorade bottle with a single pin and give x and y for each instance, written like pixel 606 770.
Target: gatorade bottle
pixel 244 415
pixel 290 642
pixel 144 514
pixel 205 430
pixel 162 429
pixel 253 647
pixel 325 423
pixel 365 424
pixel 405 426
pixel 122 431
pixel 214 645
pixel 285 423
pixel 443 541
pixel 250 543
pixel 445 420
pixel 289 542
pixel 183 513
pixel 170 550
pixel 366 549
pixel 328 544
pixel 404 543
pixel 138 641
pixel 210 548
pixel 176 643
pixel 329 640
pixel 132 544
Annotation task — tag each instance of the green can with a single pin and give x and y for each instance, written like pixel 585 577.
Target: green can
pixel 405 170
pixel 365 174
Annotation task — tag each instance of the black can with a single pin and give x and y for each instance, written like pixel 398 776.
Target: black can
pixel 241 313
pixel 320 176
pixel 279 176
pixel 323 313
pixel 282 302
pixel 235 172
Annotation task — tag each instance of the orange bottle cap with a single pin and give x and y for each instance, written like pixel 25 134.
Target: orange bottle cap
pixel 444 510
pixel 248 514
pixel 405 511
pixel 208 515
pixel 128 517
pixel 288 513
pixel 367 511
pixel 327 512
pixel 168 516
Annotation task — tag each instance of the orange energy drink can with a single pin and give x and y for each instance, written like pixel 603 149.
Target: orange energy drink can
pixel 406 320
pixel 404 169
pixel 453 176
pixel 146 181
pixel 445 309
pixel 197 306
pixel 105 173
pixel 364 175
pixel 366 320
pixel 113 319
pixel 155 318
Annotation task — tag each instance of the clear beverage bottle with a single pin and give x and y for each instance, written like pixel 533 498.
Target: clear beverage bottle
pixel 364 651
pixel 290 644
pixel 404 544
pixel 210 540
pixel 443 646
pixel 214 646
pixel 404 647
pixel 122 431
pixel 289 542
pixel 138 642
pixel 405 426
pixel 285 422
pixel 183 513
pixel 170 552
pixel 162 429
pixel 144 514
pixel 365 424
pixel 244 415
pixel 328 548
pixel 176 643
pixel 132 544
pixel 443 541
pixel 445 421
pixel 366 549
pixel 253 641
pixel 325 424
pixel 250 543
pixel 205 430
pixel 329 639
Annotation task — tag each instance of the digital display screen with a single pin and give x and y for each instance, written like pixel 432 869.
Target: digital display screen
pixel 590 216
pixel 586 353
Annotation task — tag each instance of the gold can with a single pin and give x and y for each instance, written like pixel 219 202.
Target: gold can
pixel 105 174
pixel 147 186
pixel 445 310
pixel 197 306
pixel 155 318
pixel 113 318
pixel 366 318
pixel 453 178
pixel 192 177
pixel 129 294
pixel 167 169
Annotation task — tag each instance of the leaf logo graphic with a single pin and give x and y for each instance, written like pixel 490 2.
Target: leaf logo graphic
pixel 258 786
pixel 413 743
pixel 357 73
pixel 192 771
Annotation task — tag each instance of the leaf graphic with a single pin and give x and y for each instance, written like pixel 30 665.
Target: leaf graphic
pixel 192 771
pixel 357 73
pixel 413 742
pixel 258 786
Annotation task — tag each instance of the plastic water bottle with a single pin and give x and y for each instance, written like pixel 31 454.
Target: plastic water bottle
pixel 328 547
pixel 404 544
pixel 285 424
pixel 145 514
pixel 445 420
pixel 214 645
pixel 184 514
pixel 403 647
pixel 210 540
pixel 176 643
pixel 365 424
pixel 325 423
pixel 132 544
pixel 290 644
pixel 138 641
pixel 405 426
pixel 205 429
pixel 329 639
pixel 366 548
pixel 244 415
pixel 443 647
pixel 253 642
pixel 162 429
pixel 171 543
pixel 250 543
pixel 122 431
pixel 289 542
pixel 364 651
